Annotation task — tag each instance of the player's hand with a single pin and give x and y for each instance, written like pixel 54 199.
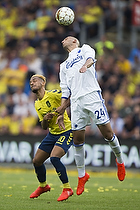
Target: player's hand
pixel 60 110
pixel 83 69
pixel 48 116
pixel 60 122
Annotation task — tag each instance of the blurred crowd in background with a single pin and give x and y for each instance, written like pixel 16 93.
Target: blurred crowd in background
pixel 30 43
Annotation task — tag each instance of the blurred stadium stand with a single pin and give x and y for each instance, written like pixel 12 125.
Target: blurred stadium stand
pixel 30 42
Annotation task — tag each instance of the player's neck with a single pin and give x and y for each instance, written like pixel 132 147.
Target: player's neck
pixel 70 48
pixel 40 94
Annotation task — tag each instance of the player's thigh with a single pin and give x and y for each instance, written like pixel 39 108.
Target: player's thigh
pixel 79 116
pixel 57 152
pixel 98 113
pixel 48 143
pixel 78 137
pixel 40 157
pixel 64 141
pixel 106 131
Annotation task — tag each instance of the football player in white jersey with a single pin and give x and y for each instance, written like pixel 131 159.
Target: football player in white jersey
pixel 79 82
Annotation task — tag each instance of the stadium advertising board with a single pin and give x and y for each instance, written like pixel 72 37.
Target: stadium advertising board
pixel 21 149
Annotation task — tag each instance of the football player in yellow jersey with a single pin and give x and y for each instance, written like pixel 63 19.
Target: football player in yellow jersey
pixel 56 143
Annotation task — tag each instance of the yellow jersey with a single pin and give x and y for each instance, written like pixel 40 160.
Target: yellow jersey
pixel 48 104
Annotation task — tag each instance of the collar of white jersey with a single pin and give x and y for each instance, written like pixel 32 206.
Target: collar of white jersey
pixel 74 50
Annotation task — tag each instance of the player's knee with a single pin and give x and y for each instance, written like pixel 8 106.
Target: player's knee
pixel 109 135
pixel 36 162
pixel 54 160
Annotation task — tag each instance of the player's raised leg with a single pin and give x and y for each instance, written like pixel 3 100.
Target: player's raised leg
pixel 113 141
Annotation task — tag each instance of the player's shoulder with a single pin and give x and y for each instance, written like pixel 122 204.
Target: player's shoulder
pixel 62 64
pixel 53 92
pixel 36 103
pixel 86 46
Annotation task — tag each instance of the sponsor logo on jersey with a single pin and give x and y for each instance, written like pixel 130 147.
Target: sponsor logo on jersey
pixel 69 64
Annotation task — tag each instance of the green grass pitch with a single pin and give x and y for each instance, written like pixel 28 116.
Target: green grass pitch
pixel 103 191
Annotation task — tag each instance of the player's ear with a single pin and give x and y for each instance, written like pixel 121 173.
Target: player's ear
pixel 44 83
pixel 75 40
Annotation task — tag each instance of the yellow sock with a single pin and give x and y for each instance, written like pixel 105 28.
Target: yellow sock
pixel 43 184
pixel 66 185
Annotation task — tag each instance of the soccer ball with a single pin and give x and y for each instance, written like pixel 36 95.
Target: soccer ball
pixel 64 16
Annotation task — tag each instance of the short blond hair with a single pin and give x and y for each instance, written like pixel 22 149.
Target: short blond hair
pixel 40 76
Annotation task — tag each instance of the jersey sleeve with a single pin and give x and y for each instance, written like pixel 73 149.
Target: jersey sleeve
pixel 57 95
pixel 88 52
pixel 63 82
pixel 38 113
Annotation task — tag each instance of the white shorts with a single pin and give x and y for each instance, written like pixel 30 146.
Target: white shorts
pixel 90 106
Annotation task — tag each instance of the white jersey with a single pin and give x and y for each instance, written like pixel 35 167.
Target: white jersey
pixel 73 82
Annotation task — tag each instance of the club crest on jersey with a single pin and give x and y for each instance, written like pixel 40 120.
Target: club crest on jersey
pixel 69 64
pixel 75 125
pixel 48 103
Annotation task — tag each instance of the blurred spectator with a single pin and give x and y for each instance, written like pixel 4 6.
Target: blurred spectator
pixel 135 52
pixel 14 59
pixel 124 64
pixel 28 123
pixel 19 96
pixel 122 98
pixel 34 66
pixel 30 102
pixel 3 87
pixel 13 78
pixel 117 123
pixel 110 13
pixel 33 62
pixel 9 104
pixel 3 59
pixel 43 10
pixel 136 63
pixel 91 17
pixel 127 19
pixel 133 81
pixel 43 49
pixel 108 100
pixel 136 96
pixel 53 83
pixel 129 128
pixel 113 84
pixel 15 125
pixel 4 121
pixel 136 118
pixel 50 31
pixel 104 46
pixel 21 109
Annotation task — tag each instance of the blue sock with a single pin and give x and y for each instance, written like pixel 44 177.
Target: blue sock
pixel 60 169
pixel 41 173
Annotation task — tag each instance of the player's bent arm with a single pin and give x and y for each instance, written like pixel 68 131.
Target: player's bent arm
pixel 89 62
pixel 45 121
pixel 60 122
pixel 64 104
pixel 44 124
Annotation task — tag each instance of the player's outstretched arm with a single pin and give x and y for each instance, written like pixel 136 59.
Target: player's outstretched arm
pixel 87 64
